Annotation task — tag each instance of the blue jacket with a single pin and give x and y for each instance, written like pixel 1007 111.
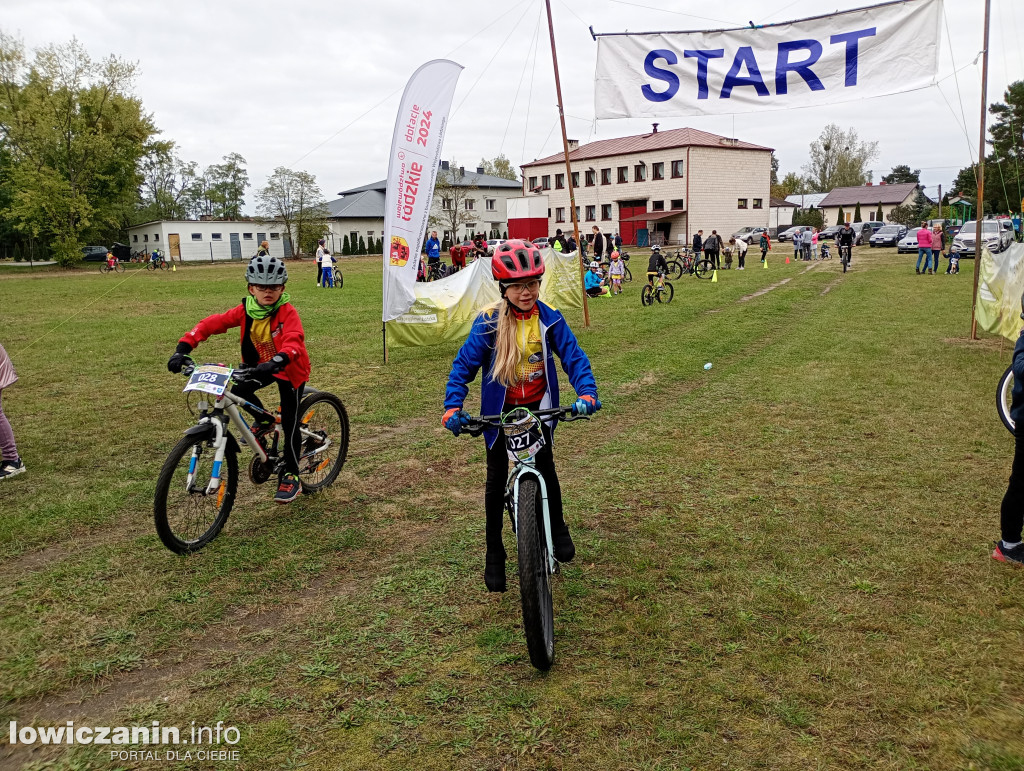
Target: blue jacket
pixel 1017 397
pixel 433 248
pixel 477 352
pixel 591 280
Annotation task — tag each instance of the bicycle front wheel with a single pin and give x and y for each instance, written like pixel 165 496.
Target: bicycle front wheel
pixel 647 295
pixel 163 265
pixel 119 268
pixel 150 266
pixel 339 279
pixel 675 269
pixel 324 429
pixel 704 268
pixel 627 276
pixel 666 294
pixel 186 516
pixel 1004 395
pixel 534 578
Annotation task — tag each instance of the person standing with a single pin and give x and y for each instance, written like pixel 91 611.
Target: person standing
pixel 716 249
pixel 938 246
pixel 698 243
pixel 432 248
pixel 814 244
pixel 617 241
pixel 598 243
pixel 924 249
pixel 320 261
pixel 741 251
pixel 558 243
pixel 765 245
pixel 798 244
pixel 1011 516
pixel 11 463
pixel 571 243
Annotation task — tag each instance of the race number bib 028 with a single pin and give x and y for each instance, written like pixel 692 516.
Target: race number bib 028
pixel 210 379
pixel 523 435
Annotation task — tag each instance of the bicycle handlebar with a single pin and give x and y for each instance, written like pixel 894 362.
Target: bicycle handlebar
pixel 476 426
pixel 239 374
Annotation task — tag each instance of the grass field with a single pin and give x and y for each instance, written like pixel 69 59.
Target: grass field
pixel 781 562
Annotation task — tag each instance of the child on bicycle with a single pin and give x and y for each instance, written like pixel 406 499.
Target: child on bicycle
pixel 513 342
pixel 111 260
pixel 327 269
pixel 656 264
pixel 616 271
pixel 273 343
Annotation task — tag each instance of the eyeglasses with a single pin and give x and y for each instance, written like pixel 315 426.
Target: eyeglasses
pixel 527 286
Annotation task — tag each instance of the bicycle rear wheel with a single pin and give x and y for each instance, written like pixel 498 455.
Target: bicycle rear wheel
pixel 186 516
pixel 647 295
pixel 1004 394
pixel 534 578
pixel 666 294
pixel 704 268
pixel 119 267
pixel 324 427
pixel 627 276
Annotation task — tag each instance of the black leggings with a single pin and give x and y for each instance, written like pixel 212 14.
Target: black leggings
pixel 497 475
pixel 290 398
pixel 1011 516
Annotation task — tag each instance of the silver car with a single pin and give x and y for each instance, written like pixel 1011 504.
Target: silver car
pixel 996 238
pixel 908 243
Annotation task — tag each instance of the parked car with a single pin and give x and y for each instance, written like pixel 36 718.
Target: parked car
pixel 94 253
pixel 888 235
pixel 863 230
pixel 540 243
pixel 829 233
pixel 491 243
pixel 875 225
pixel 908 243
pixel 787 235
pixel 996 237
pixel 750 234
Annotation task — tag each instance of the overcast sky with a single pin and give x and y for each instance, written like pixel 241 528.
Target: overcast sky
pixel 314 85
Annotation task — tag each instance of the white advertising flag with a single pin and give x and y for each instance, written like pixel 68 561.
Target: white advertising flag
pixel 883 49
pixel 412 171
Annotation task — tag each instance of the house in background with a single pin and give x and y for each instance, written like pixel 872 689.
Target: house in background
pixel 807 200
pixel 657 187
pixel 869 196
pixel 780 214
pixel 208 240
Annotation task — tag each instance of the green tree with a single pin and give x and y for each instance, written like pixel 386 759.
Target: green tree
pixel 791 184
pixel 75 136
pixel 226 183
pixel 361 249
pixel 450 194
pixel 167 189
pixel 345 249
pixel 839 159
pixel 879 214
pixel 499 167
pixel 841 217
pixel 904 215
pixel 293 198
pixel 775 172
pixel 902 173
pixel 856 214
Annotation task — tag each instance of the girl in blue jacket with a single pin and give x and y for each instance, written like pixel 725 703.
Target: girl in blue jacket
pixel 513 342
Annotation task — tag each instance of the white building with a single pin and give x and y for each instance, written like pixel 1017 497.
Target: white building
pixel 869 197
pixel 208 240
pixel 660 186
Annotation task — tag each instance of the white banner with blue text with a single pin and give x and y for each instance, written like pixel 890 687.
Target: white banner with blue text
pixel 412 171
pixel 883 49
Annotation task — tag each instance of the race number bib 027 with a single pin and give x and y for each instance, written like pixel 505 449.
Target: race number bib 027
pixel 523 435
pixel 210 379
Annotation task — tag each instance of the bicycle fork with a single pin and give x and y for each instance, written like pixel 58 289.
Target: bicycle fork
pixel 513 483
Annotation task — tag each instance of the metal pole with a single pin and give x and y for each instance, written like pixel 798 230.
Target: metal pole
pixel 981 175
pixel 568 167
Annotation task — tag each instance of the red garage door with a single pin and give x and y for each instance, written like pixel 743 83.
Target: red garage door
pixel 628 229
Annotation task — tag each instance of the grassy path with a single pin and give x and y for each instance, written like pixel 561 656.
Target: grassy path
pixel 782 561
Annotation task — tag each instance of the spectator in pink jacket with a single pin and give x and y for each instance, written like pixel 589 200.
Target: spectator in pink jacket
pixel 924 249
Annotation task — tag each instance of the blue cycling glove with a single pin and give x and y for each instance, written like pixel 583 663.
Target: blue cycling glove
pixel 454 419
pixel 586 405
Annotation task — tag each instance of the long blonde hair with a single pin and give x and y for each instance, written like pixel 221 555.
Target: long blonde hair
pixel 507 353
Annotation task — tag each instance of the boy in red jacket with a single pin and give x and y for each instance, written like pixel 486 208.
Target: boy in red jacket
pixel 273 342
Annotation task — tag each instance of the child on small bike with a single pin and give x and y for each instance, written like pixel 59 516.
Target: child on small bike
pixel 656 264
pixel 327 269
pixel 513 342
pixel 273 342
pixel 111 260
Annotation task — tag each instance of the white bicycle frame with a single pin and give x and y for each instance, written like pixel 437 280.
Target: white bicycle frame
pixel 519 468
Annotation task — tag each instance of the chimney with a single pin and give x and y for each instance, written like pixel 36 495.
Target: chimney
pixel 573 144
pixel 444 165
pixel 462 171
pixel 883 182
pixel 479 169
pixel 868 184
pixel 655 126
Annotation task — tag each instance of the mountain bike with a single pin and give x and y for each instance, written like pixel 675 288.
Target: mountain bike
pixel 117 266
pixel 844 255
pixel 662 290
pixel 158 263
pixel 198 482
pixel 436 270
pixel 526 500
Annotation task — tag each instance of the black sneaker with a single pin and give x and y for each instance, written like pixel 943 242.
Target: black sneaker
pixel 288 489
pixel 1014 556
pixel 565 550
pixel 494 572
pixel 11 468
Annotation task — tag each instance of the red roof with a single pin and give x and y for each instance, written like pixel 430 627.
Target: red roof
pixel 659 140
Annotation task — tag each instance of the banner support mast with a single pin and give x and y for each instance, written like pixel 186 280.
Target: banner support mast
pixel 568 167
pixel 980 213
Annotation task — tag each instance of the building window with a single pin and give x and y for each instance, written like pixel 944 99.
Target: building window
pixel 489 204
pixel 677 203
pixel 658 170
pixel 470 204
pixel 195 237
pixel 145 238
pixel 559 181
pixel 606 176
pixel 277 236
pixel 545 182
pixel 741 203
pixel 606 211
pixel 657 206
pixel 758 203
pixel 577 213
pixel 560 214
pixel 247 236
pixel 639 173
pixel 135 238
pixel 215 236
pixel 589 178
pixel 575 179
pixel 533 183
pixel 623 174
pixel 677 169
pixel 446 203
pixel 156 236
pixel 591 212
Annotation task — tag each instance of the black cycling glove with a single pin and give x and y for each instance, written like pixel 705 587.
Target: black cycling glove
pixel 177 361
pixel 272 367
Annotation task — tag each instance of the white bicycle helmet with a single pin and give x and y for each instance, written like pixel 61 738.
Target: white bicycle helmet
pixel 595 264
pixel 266 271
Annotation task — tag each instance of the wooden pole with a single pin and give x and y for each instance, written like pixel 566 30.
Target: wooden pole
pixel 979 218
pixel 568 167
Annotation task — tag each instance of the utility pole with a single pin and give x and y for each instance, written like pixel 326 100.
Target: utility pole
pixel 979 218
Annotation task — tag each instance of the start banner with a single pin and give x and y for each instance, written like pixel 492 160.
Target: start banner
pixel 1000 288
pixel 412 171
pixel 839 57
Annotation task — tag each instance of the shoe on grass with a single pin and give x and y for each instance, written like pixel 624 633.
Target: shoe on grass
pixel 1014 556
pixel 565 549
pixel 11 468
pixel 288 489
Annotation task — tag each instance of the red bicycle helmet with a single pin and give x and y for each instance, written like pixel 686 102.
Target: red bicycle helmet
pixel 515 260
